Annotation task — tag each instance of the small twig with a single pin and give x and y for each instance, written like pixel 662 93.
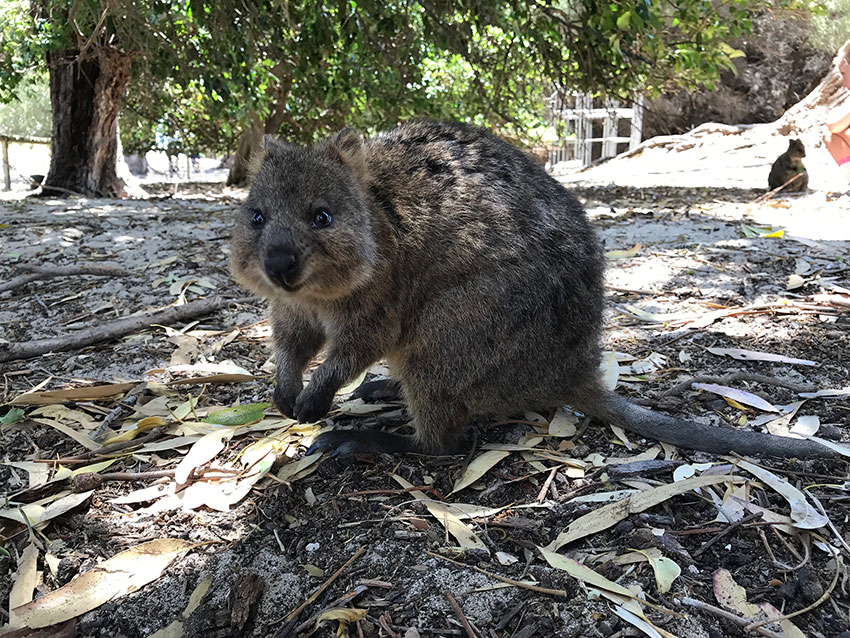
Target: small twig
pixel 773 560
pixel 634 291
pixel 830 524
pixel 727 531
pixel 47 190
pixel 504 579
pixel 34 273
pixel 327 583
pixel 804 560
pixel 339 602
pixel 385 625
pixel 114 329
pixel 739 376
pixel 92 480
pixel 129 400
pixel 722 613
pixel 422 488
pixel 136 476
pixel 542 495
pixel 770 194
pixel 459 613
pixel 115 447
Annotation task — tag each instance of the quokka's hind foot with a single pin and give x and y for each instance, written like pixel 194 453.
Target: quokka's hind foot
pixel 378 390
pixel 345 442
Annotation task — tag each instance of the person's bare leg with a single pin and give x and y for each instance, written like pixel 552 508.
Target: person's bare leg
pixel 838 145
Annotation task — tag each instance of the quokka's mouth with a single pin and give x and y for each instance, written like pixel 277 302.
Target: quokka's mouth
pixel 291 287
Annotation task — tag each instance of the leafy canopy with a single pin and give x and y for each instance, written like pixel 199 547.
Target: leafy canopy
pixel 202 70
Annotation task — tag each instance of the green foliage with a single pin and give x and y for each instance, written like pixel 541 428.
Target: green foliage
pixel 13 415
pixel 29 114
pixel 20 54
pixel 204 70
pixel 831 21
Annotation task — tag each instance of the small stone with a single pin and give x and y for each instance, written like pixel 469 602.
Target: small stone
pixel 608 626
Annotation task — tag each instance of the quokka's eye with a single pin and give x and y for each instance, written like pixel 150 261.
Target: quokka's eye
pixel 257 218
pixel 323 218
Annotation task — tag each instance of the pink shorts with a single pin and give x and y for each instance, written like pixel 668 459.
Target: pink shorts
pixel 844 160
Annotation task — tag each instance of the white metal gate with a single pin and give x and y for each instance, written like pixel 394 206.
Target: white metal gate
pixel 577 116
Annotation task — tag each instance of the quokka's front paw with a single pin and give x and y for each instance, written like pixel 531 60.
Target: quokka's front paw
pixel 313 403
pixel 285 395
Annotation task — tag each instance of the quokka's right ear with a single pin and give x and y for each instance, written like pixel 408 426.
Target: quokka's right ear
pixel 347 146
pixel 271 144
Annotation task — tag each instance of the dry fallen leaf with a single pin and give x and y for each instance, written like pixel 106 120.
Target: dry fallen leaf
pixel 60 412
pixel 123 573
pixel 26 579
pixel 38 515
pixel 83 439
pixel 304 466
pixel 202 451
pixel 741 396
pixel 755 355
pixel 733 597
pixel 802 513
pixel 478 468
pixel 344 615
pixel 666 570
pixel 39 473
pixel 89 393
pixel 314 571
pixel 610 515
pixel 447 517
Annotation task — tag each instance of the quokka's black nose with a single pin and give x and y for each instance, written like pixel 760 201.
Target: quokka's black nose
pixel 282 268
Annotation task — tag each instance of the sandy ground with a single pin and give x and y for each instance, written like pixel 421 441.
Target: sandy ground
pixel 698 253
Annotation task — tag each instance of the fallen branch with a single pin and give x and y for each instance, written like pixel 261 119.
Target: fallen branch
pixel 46 272
pixel 113 329
pixel 52 191
pixel 770 194
pixel 739 376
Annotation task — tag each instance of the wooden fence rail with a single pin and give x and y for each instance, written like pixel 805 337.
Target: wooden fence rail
pixel 579 115
pixel 5 140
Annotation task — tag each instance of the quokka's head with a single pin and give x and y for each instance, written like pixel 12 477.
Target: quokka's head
pixel 305 231
pixel 796 148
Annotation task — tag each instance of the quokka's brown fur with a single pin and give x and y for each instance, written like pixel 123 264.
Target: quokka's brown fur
pixel 453 256
pixel 786 166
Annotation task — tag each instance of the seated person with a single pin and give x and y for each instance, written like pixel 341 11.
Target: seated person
pixel 837 141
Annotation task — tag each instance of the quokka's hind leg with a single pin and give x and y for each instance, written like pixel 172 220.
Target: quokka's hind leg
pixel 378 390
pixel 438 422
pixel 437 426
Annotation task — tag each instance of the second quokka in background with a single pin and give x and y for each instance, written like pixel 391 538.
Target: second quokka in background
pixel 787 167
pixel 454 257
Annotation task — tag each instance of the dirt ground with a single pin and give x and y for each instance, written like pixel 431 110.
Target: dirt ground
pixel 707 274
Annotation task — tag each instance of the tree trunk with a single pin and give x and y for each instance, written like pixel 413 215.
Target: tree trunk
pixel 85 96
pixel 251 144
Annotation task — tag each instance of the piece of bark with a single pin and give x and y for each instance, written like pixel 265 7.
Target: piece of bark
pixel 112 329
pixel 34 273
